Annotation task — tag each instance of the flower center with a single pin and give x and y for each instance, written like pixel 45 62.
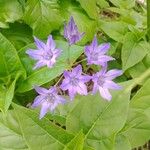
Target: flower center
pixel 74 81
pixel 47 56
pixel 94 56
pixel 50 98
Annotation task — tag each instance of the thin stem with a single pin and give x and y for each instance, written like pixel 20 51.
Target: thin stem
pixel 139 79
pixel 79 61
pixel 59 80
pixel 68 59
pixel 148 19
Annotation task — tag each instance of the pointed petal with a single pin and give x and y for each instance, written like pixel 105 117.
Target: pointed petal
pixel 35 54
pixel 40 90
pixel 65 85
pixel 86 78
pixel 112 74
pixel 112 85
pixel 72 92
pixel 37 101
pixel 50 43
pixel 39 64
pixel 77 70
pixel 104 58
pixel 95 88
pixel 81 89
pixel 103 48
pixel 94 43
pixel 44 109
pixel 105 93
pixel 39 43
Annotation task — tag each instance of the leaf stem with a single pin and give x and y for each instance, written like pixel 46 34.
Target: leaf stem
pixel 68 59
pixel 148 19
pixel 139 79
pixel 79 61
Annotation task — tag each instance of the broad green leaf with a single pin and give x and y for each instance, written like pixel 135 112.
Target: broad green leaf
pixel 133 51
pixel 123 3
pixel 42 16
pixel 10 11
pixel 98 118
pixel 18 34
pixel 90 7
pixel 76 143
pixel 102 3
pixel 137 69
pixel 10 134
pixel 114 29
pixel 137 128
pixel 44 75
pixel 10 63
pixel 7 94
pixel 122 142
pixel 46 134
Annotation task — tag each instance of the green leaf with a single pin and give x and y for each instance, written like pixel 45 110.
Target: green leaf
pixel 10 134
pixel 114 29
pixel 18 34
pixel 102 3
pixel 122 142
pixel 10 62
pixel 46 134
pixel 98 118
pixel 137 128
pixel 123 3
pixel 7 94
pixel 35 77
pixel 76 143
pixel 42 16
pixel 133 51
pixel 10 11
pixel 90 7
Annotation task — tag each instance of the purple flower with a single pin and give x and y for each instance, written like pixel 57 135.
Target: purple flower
pixel 74 82
pixel 47 99
pixel 96 53
pixel 71 32
pixel 103 82
pixel 45 54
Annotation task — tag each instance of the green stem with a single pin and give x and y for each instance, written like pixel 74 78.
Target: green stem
pixel 68 59
pixel 140 79
pixel 148 19
pixel 79 61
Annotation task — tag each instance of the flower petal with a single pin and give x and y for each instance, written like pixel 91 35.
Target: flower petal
pixel 37 101
pixel 77 70
pixel 112 74
pixel 39 64
pixel 35 54
pixel 103 48
pixel 44 109
pixel 50 43
pixel 111 85
pixel 40 90
pixel 81 89
pixel 105 93
pixel 72 92
pixel 39 43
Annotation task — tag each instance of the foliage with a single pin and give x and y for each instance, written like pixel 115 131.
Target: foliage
pixel 88 122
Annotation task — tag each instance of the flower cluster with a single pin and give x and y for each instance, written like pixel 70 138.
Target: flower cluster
pixel 74 80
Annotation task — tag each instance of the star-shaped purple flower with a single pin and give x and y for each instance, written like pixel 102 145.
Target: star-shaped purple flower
pixel 103 82
pixel 71 32
pixel 45 54
pixel 96 54
pixel 74 82
pixel 47 99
